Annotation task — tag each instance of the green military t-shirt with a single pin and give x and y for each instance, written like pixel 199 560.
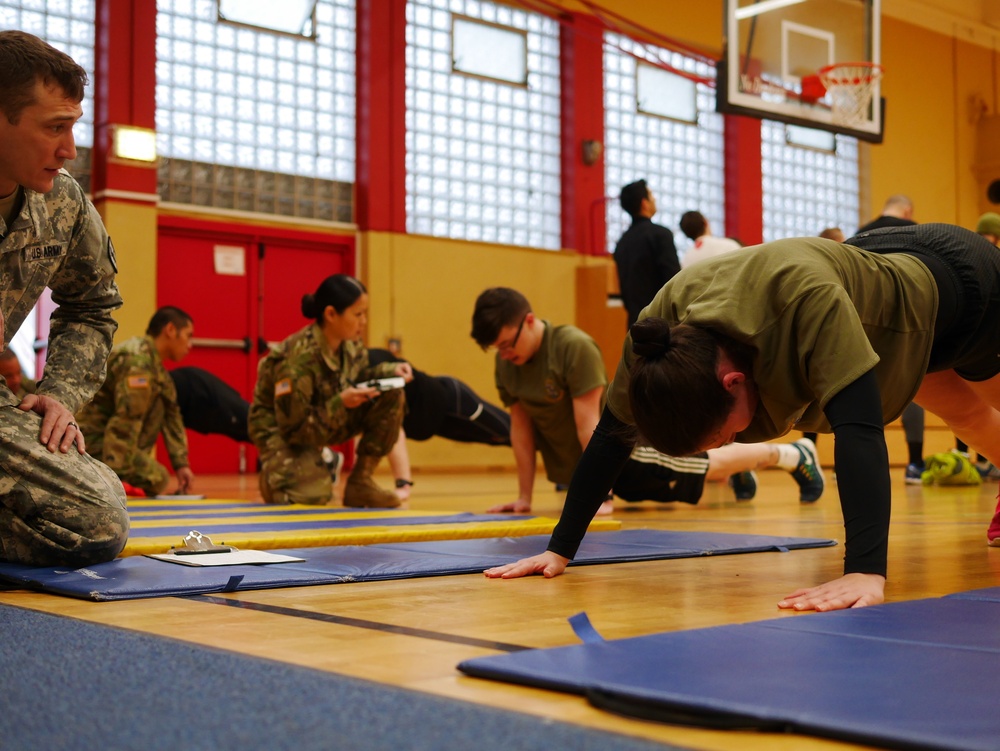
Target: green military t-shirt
pixel 568 364
pixel 819 315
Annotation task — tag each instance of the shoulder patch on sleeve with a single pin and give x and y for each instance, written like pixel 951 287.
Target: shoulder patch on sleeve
pixel 283 387
pixel 138 382
pixel 111 256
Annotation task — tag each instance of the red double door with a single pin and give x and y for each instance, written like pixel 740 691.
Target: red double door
pixel 243 287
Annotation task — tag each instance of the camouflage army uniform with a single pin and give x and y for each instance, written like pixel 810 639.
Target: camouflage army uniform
pixel 137 402
pixel 55 508
pixel 28 386
pixel 297 410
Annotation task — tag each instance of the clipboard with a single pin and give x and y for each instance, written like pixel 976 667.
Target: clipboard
pixel 199 550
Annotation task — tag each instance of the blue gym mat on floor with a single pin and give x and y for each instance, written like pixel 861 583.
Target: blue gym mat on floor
pixel 137 576
pixel 913 675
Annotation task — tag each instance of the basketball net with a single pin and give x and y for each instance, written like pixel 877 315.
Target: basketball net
pixel 850 86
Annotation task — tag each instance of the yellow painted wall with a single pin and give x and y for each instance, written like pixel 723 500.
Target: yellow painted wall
pixel 132 227
pixel 936 87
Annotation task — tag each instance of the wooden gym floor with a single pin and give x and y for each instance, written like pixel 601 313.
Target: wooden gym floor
pixel 412 633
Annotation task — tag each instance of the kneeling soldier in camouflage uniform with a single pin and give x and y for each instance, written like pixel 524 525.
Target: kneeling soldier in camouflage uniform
pixel 58 507
pixel 138 401
pixel 306 399
pixel 10 369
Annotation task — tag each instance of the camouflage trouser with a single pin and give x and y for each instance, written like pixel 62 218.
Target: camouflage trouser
pixel 133 464
pixel 55 509
pixel 297 474
pixel 141 470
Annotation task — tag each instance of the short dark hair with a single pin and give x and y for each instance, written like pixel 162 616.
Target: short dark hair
pixel 24 60
pixel 163 316
pixel 693 224
pixel 632 196
pixel 340 290
pixel 674 390
pixel 495 308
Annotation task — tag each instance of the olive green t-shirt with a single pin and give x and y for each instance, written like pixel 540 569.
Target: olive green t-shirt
pixel 819 315
pixel 568 364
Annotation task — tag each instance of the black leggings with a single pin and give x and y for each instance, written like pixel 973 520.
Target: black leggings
pixel 966 269
pixel 469 419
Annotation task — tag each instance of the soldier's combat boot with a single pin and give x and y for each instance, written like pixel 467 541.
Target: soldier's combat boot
pixel 361 490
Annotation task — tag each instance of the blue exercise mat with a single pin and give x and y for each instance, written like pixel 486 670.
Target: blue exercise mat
pixel 919 674
pixel 137 576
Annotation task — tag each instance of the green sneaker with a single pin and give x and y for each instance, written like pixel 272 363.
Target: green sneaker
pixel 744 485
pixel 808 473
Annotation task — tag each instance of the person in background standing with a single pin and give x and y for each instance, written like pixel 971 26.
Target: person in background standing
pixel 645 256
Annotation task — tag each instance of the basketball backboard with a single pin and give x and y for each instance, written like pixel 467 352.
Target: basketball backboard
pixel 774 50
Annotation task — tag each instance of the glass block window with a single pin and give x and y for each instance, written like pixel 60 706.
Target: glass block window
pixel 289 16
pixel 67 26
pixel 806 190
pixel 682 162
pixel 660 92
pixel 255 99
pixel 482 156
pixel 489 51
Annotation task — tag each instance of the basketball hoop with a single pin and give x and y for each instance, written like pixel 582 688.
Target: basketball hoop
pixel 851 86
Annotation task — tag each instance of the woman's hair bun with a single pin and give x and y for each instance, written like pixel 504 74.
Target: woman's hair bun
pixel 650 337
pixel 309 305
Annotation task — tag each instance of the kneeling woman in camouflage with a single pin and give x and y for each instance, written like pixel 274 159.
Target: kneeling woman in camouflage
pixel 306 399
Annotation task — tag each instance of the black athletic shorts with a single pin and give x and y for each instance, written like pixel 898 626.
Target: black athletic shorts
pixel 649 475
pixel 966 268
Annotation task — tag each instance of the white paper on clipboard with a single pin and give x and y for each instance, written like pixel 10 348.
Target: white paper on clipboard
pixel 232 558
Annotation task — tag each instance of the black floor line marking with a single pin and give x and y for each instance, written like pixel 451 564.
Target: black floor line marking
pixel 359 623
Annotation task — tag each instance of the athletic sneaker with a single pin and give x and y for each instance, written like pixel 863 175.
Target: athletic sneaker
pixel 987 470
pixel 993 533
pixel 744 485
pixel 913 473
pixel 334 461
pixel 808 473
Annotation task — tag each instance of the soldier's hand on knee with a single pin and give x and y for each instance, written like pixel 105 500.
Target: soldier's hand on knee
pixel 59 429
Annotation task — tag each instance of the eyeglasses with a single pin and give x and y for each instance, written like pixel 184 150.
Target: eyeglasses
pixel 508 346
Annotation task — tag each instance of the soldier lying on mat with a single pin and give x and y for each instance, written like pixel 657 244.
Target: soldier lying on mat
pixel 553 380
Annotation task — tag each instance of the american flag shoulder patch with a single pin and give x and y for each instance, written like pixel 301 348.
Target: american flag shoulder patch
pixel 138 382
pixel 283 387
